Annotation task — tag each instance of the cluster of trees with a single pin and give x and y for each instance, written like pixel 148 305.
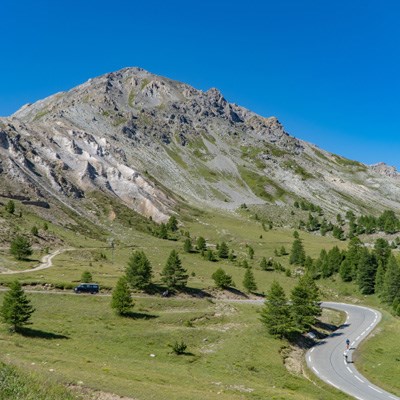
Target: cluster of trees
pixel 222 250
pixel 374 271
pixel 286 319
pixel 354 226
pixel 168 230
pixel 224 281
pixel 308 206
pixel 138 276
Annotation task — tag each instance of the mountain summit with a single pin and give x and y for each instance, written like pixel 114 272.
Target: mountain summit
pixel 151 143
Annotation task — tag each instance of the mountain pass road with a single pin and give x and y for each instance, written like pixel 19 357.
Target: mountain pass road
pixel 332 362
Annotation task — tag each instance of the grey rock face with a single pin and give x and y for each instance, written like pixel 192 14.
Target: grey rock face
pixel 146 140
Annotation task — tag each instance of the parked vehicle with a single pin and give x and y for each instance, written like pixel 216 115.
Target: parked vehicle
pixel 87 288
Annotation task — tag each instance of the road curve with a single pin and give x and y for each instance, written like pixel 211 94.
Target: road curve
pixel 327 358
pixel 46 262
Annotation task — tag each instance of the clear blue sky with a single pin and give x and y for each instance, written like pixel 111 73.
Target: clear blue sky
pixel 329 70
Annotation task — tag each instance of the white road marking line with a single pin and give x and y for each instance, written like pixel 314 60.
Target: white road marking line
pixel 359 398
pixel 332 384
pixel 376 390
pixel 395 398
pixel 358 337
pixel 349 370
pixel 359 379
pixel 312 349
pixel 309 358
pixel 344 361
pixel 363 333
pixel 315 370
pixel 353 344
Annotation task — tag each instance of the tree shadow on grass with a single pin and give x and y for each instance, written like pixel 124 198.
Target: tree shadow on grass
pixel 155 289
pixel 135 315
pixel 237 292
pixel 36 333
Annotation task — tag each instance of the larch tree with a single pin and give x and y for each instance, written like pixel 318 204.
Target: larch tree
pixel 139 271
pixel 121 299
pixel 16 309
pixel 173 274
pixel 276 314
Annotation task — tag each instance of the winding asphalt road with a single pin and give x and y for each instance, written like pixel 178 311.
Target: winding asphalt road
pixel 327 359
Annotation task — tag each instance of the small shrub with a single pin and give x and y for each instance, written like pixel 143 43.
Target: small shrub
pixel 179 347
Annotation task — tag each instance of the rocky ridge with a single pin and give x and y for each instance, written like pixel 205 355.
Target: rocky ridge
pixel 151 143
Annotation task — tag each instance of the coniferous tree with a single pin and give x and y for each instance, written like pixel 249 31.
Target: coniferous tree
pixel 276 313
pixel 391 285
pixel 139 271
pixel 209 255
pixel 86 277
pixel 201 243
pixel 121 299
pixel 222 279
pixel 367 267
pixel 382 251
pixel 297 254
pixel 263 264
pixel 250 250
pixel 380 278
pixel 187 245
pixel 333 260
pixel 162 231
pixel 223 250
pixel 173 274
pixel 10 207
pixel 172 223
pixel 249 282
pixel 346 271
pixel 283 251
pixel 16 309
pixel 305 303
pixel 20 248
pixel 34 230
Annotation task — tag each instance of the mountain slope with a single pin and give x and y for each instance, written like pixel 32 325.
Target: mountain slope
pixel 153 143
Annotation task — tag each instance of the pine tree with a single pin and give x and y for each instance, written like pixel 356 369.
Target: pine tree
pixel 391 285
pixel 382 251
pixel 297 254
pixel 121 299
pixel 367 267
pixel 20 248
pixel 263 264
pixel 173 274
pixel 201 243
pixel 249 283
pixel 162 231
pixel 172 224
pixel 209 255
pixel 139 271
pixel 346 271
pixel 34 230
pixel 276 313
pixel 304 303
pixel 380 278
pixel 187 246
pixel 250 250
pixel 333 261
pixel 222 279
pixel 16 309
pixel 283 251
pixel 10 207
pixel 86 277
pixel 223 250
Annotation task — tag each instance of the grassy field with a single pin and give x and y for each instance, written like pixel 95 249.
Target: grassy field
pixel 230 355
pixel 379 357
